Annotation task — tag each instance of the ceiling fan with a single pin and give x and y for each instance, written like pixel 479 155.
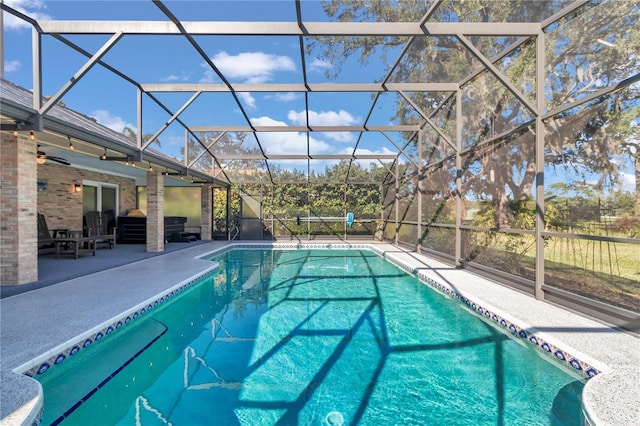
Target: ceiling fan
pixel 43 158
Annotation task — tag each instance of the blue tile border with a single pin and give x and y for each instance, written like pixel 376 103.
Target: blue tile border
pixel 85 342
pixel 518 331
pixel 105 381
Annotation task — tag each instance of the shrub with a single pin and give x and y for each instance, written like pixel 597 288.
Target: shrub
pixel 628 225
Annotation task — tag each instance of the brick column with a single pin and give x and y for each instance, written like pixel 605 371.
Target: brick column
pixel 155 212
pixel 206 211
pixel 18 208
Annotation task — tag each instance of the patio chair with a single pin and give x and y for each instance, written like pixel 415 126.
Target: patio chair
pixel 46 240
pixel 62 241
pixel 97 225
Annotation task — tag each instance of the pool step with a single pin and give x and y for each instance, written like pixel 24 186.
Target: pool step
pixel 92 368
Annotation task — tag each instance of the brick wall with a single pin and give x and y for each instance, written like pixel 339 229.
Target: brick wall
pixel 155 212
pixel 206 207
pixel 62 206
pixel 18 224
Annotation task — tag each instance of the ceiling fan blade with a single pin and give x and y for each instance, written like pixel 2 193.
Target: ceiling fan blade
pixel 58 160
pixel 42 156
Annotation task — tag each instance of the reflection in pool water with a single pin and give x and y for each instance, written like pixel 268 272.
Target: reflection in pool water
pixel 311 337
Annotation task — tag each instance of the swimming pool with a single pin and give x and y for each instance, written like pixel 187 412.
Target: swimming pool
pixel 377 346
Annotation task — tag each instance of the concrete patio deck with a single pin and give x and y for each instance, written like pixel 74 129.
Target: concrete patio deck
pixel 53 271
pixel 44 320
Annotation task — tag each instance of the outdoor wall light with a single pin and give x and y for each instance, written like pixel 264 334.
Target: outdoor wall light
pixel 70 143
pixel 77 188
pixel 32 135
pixel 103 157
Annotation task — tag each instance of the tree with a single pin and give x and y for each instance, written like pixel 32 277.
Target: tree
pixel 627 132
pixel 581 58
pixel 225 145
pixel 128 131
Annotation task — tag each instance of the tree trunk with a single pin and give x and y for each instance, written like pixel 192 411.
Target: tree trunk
pixel 503 213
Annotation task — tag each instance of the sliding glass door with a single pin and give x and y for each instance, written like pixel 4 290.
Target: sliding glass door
pixel 102 197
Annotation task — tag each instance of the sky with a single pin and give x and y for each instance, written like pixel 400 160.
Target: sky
pixel 171 59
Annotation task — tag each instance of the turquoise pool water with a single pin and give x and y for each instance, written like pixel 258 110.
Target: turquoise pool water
pixel 310 337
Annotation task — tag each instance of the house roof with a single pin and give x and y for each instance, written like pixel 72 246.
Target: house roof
pixel 63 126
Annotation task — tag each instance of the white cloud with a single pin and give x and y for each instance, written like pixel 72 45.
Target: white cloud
pixel 267 121
pixel 629 182
pixel 249 100
pixel 340 136
pixel 365 151
pixel 28 7
pixel 327 118
pixel 319 65
pixel 248 67
pixel 324 118
pixel 365 162
pixel 174 77
pixel 115 123
pixel 284 97
pixel 12 66
pixel 209 76
pixel 287 142
pixel 252 67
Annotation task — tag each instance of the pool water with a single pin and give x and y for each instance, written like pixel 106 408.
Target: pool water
pixel 311 337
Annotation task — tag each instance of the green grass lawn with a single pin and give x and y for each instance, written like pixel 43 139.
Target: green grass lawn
pixel 622 260
pixel 609 272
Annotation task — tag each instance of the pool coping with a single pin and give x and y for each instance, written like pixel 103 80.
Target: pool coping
pixel 571 358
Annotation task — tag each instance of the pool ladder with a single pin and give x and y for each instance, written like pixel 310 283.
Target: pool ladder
pixel 235 231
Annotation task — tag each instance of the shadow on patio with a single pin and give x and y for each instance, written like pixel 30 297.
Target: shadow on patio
pixel 53 271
